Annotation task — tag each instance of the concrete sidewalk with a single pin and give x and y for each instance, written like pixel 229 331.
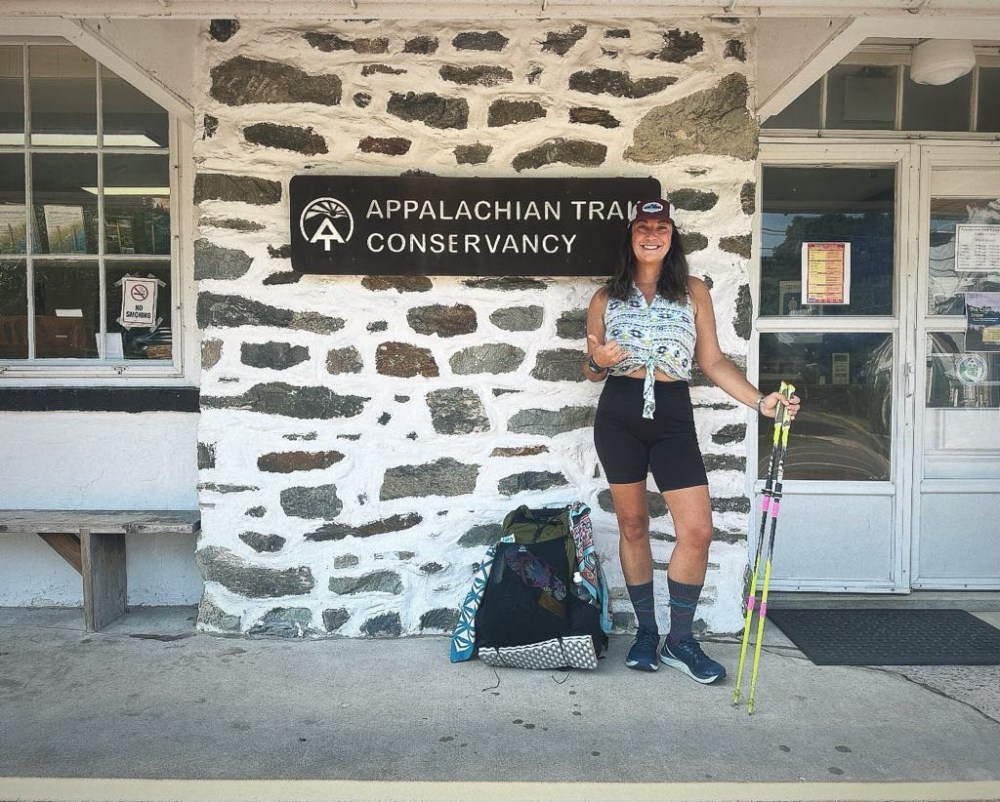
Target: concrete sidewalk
pixel 150 699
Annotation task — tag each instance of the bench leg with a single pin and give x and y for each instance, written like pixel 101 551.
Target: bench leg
pixel 105 584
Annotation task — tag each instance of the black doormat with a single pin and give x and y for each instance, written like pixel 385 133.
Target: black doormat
pixel 880 637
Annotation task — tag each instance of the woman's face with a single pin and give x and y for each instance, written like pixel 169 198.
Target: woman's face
pixel 651 240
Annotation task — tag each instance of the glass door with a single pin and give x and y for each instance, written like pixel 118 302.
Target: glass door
pixel 957 409
pixel 833 319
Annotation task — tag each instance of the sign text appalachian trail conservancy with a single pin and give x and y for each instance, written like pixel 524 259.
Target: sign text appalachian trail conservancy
pixel 425 225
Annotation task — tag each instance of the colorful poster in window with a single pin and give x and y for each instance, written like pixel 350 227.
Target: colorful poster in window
pixel 982 321
pixel 64 226
pixel 138 303
pixel 977 248
pixel 826 273
pixel 13 228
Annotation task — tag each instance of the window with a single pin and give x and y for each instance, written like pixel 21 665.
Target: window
pixel 84 204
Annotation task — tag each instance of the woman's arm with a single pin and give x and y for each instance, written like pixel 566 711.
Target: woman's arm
pixel 600 355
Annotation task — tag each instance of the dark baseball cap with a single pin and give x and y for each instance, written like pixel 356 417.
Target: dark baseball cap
pixel 658 209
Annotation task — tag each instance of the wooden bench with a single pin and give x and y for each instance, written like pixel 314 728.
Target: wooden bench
pixel 93 542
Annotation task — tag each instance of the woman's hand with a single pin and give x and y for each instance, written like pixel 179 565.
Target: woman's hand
pixel 769 405
pixel 611 353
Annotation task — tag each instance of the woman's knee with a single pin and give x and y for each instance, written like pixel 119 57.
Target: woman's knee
pixel 695 535
pixel 633 528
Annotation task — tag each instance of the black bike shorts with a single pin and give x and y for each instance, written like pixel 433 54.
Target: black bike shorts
pixel 629 446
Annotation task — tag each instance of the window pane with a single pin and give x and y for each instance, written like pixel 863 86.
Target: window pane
pixel 136 204
pixel 65 202
pixel 812 204
pixel 845 381
pixel 140 343
pixel 957 378
pixel 13 212
pixel 131 118
pixel 66 310
pixel 63 85
pixel 861 97
pixel 989 99
pixel 803 112
pixel 946 287
pixel 937 108
pixel 11 96
pixel 13 310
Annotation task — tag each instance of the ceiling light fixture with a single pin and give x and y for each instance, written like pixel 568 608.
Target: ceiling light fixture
pixel 940 61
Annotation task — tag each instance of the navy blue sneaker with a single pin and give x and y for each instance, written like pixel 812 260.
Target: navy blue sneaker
pixel 642 655
pixel 688 657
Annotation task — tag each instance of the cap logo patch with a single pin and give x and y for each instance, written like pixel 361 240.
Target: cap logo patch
pixel 652 207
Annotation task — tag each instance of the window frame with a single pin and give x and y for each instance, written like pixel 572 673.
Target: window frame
pixel 104 371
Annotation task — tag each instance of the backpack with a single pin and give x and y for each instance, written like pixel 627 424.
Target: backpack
pixel 539 599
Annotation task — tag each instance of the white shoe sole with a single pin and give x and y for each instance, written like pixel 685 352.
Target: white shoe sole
pixel 682 667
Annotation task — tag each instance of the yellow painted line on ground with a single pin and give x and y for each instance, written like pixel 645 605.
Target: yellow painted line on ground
pixel 43 789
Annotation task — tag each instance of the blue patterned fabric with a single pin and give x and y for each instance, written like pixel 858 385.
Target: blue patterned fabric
pixel 592 581
pixel 463 639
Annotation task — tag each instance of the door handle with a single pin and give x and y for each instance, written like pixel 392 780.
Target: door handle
pixel 908 379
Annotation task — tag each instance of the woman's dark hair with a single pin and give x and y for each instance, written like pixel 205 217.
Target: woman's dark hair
pixel 673 278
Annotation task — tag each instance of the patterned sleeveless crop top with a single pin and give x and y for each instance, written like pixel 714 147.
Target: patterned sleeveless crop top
pixel 658 335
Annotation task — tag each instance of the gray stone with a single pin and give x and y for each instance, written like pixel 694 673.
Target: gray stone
pixel 221 565
pixel 589 115
pixel 443 477
pixel 714 121
pixel 311 502
pixel 748 197
pixel 214 487
pixel 456 410
pixel 679 46
pixel 394 523
pixel 431 109
pixel 654 502
pixel 222 30
pixel 374 582
pixel 744 313
pixel 693 200
pixel 290 461
pixel 210 125
pixel 344 360
pixel 278 398
pixel 236 188
pixel 489 358
pixel 230 311
pixel 619 84
pixel 572 325
pixel 345 561
pixel 506 283
pixel 362 100
pixel 518 318
pixel 618 33
pixel 282 622
pixel 386 625
pixel 478 40
pixel 561 42
pixel 574 152
pixel 443 619
pixel 262 543
pixel 725 462
pixel 404 360
pixel 730 433
pixel 481 535
pixel 508 112
pixel 519 451
pixel 241 81
pixel 559 364
pixel 273 355
pixel 444 321
pixel 693 241
pixel 549 423
pixel 206 456
pixel 380 69
pixel 400 284
pixel 388 146
pixel 735 49
pixel 481 75
pixel 431 568
pixel 282 252
pixel 421 45
pixel 473 154
pixel 284 277
pixel 286 137
pixel 335 618
pixel 330 42
pixel 530 480
pixel 378 325
pixel 739 504
pixel 740 245
pixel 231 223
pixel 257 512
pixel 211 615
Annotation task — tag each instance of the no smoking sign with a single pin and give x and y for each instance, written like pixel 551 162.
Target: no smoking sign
pixel 138 303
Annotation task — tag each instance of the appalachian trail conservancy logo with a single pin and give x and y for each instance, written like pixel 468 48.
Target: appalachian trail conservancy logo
pixel 326 220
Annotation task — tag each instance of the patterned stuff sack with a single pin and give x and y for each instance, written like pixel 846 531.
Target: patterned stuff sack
pixel 538 599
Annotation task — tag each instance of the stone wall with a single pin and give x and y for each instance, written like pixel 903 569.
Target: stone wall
pixel 362 437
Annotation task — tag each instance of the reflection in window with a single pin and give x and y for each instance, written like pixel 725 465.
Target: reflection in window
pixel 11 96
pixel 13 310
pixel 66 310
pixel 989 99
pixel 845 380
pixel 937 108
pixel 946 286
pixel 813 204
pixel 140 343
pixel 957 378
pixel 63 86
pixel 861 97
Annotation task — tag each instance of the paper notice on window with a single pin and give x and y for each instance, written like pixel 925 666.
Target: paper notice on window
pixel 138 303
pixel 977 248
pixel 982 321
pixel 826 273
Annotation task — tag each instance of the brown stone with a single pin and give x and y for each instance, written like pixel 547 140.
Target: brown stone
pixel 404 360
pixel 289 461
pixel 390 146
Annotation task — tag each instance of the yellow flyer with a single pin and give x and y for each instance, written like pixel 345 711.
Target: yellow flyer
pixel 826 273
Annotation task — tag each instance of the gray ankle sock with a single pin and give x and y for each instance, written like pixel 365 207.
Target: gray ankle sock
pixel 642 603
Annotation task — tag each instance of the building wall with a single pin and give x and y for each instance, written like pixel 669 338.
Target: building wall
pixel 362 437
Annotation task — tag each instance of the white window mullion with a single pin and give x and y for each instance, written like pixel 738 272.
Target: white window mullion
pixel 102 339
pixel 29 202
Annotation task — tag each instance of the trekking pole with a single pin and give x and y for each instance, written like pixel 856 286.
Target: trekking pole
pixel 775 505
pixel 750 585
